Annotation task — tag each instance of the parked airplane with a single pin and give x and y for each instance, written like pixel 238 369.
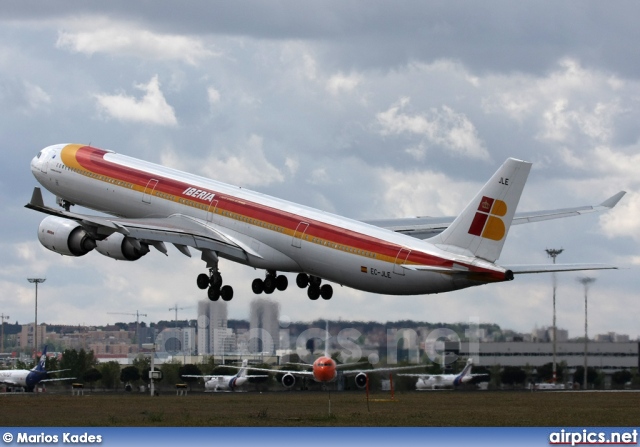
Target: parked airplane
pixel 28 379
pixel 433 381
pixel 226 383
pixel 154 205
pixel 324 369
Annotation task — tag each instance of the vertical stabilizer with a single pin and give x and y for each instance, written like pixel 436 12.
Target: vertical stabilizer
pixel 481 229
pixel 466 371
pixel 243 370
pixel 40 367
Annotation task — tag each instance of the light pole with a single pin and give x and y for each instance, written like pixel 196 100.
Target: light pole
pixel 36 281
pixel 152 373
pixel 585 281
pixel 553 254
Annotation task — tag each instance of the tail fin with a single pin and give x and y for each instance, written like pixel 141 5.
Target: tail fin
pixel 481 229
pixel 243 370
pixel 467 370
pixel 40 367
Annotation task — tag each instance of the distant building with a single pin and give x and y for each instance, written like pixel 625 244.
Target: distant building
pixel 603 356
pixel 545 335
pixel 612 337
pixel 26 336
pixel 264 326
pixel 213 335
pixel 177 341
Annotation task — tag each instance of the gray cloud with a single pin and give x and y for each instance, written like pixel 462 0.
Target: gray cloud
pixel 305 102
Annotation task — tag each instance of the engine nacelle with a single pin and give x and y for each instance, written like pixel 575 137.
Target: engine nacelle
pixel 361 380
pixel 122 248
pixel 65 236
pixel 288 380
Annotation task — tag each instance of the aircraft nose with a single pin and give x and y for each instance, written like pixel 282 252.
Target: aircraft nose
pixel 36 161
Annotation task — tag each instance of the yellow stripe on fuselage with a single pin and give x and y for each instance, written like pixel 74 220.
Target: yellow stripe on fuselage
pixel 68 156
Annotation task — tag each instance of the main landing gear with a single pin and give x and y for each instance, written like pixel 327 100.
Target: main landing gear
pixel 270 283
pixel 213 283
pixel 315 290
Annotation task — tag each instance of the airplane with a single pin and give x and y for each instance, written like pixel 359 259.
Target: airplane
pixel 152 205
pixel 28 379
pixel 226 383
pixel 325 370
pixel 433 381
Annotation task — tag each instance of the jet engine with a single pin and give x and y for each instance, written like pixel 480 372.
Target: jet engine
pixel 65 236
pixel 288 380
pixel 361 380
pixel 122 248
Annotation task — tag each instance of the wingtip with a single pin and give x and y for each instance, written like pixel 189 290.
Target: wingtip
pixel 613 200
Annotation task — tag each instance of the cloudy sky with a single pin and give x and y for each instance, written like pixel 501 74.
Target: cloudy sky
pixel 368 109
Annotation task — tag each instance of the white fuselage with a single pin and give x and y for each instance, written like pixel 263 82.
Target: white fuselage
pixel 281 235
pixel 21 377
pixel 223 383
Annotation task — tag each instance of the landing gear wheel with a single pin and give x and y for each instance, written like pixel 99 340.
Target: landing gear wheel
pixel 315 281
pixel 302 280
pixel 202 281
pixel 213 293
pixel 313 292
pixel 269 283
pixel 269 286
pixel 282 283
pixel 326 292
pixel 226 293
pixel 215 280
pixel 257 286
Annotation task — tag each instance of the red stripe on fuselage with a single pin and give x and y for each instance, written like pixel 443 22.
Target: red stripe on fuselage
pixel 93 160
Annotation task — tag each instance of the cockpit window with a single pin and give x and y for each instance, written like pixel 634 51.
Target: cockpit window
pixel 39 154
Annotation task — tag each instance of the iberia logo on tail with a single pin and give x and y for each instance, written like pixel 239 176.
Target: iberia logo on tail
pixel 487 222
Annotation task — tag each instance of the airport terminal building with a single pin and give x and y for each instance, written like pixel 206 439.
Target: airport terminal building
pixel 605 356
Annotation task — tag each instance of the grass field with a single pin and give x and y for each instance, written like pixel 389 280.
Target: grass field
pixel 440 408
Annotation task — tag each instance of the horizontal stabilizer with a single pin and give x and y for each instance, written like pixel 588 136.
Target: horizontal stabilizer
pixel 544 268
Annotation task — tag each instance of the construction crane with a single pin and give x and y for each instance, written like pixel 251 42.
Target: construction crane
pixel 176 308
pixel 137 315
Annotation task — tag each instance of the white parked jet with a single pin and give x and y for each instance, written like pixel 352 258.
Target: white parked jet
pixel 153 205
pixel 28 379
pixel 226 383
pixel 433 381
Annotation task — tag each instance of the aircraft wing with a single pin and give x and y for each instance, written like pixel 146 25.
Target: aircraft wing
pixel 178 229
pixel 9 382
pixel 276 371
pixel 426 227
pixel 380 370
pixel 56 380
